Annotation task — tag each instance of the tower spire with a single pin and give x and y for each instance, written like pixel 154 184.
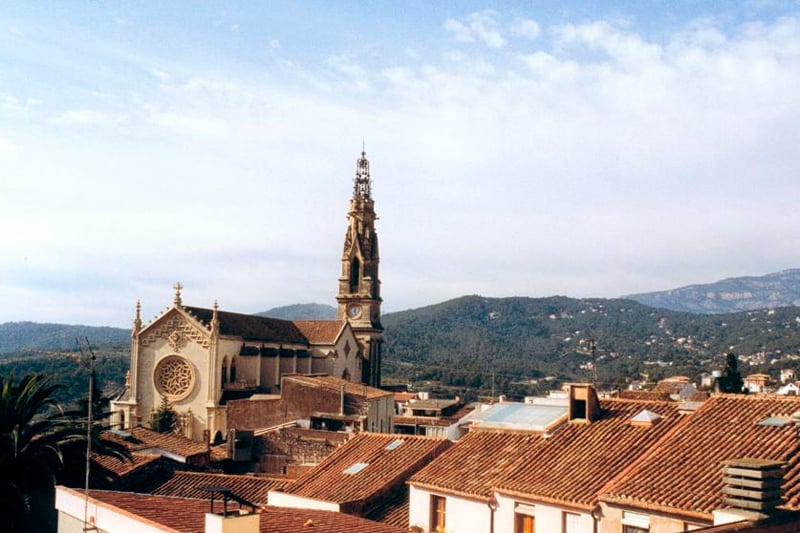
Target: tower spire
pixel 362 186
pixel 359 285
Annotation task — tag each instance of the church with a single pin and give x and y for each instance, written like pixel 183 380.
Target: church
pixel 200 358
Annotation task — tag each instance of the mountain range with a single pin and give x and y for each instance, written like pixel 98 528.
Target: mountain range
pixel 779 289
pixel 469 342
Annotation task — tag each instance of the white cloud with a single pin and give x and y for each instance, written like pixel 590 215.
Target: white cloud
pixel 481 26
pixel 607 163
pixel 86 117
pixel 526 28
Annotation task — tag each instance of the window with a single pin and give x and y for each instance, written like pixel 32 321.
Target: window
pixel 233 370
pixel 571 523
pixel 437 514
pixel 224 371
pixel 523 523
pixel 635 523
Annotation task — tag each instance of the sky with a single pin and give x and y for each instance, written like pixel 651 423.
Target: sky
pixel 580 148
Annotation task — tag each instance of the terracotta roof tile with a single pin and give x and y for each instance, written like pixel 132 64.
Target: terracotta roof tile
pixel 122 468
pixel 578 460
pixel 251 327
pixel 683 474
pixel 320 331
pixel 141 439
pixel 188 515
pixel 332 383
pixel 474 464
pixel 186 485
pixel 390 460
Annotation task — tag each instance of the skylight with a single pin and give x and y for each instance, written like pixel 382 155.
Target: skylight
pixel 394 444
pixel 355 468
pixel 776 421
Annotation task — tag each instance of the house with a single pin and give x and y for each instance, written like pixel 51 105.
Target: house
pixel 291 450
pixel 757 382
pixel 677 485
pixel 364 474
pixel 326 402
pixel 791 388
pixel 432 417
pixel 124 512
pixel 509 479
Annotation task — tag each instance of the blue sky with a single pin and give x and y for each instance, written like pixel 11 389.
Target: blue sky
pixel 517 149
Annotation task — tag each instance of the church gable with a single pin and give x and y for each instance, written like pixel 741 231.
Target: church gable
pixel 177 328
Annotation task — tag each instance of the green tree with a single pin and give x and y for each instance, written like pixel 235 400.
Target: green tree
pixel 32 434
pixel 731 380
pixel 165 419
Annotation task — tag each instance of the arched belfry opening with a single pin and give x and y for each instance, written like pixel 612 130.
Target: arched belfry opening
pixel 355 274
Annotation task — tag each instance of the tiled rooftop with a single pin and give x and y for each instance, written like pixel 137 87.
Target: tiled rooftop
pixel 577 460
pixel 186 485
pixel 390 459
pixel 332 383
pixel 140 439
pixel 250 327
pixel 183 515
pixel 683 474
pixel 475 463
pixel 121 467
pixel 570 465
pixel 320 331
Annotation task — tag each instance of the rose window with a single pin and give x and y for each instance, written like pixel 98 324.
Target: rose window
pixel 174 377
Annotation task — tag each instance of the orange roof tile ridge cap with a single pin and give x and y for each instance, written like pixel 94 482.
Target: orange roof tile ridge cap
pixel 650 451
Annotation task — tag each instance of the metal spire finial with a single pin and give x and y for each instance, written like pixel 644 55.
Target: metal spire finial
pixel 361 188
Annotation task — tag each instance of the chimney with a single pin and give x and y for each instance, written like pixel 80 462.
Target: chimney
pixel 584 406
pixel 751 490
pixel 233 520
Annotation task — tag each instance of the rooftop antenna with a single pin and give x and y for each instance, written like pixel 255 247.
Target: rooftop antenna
pixel 88 354
pixel 591 349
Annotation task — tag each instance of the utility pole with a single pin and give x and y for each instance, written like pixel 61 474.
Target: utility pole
pixel 88 353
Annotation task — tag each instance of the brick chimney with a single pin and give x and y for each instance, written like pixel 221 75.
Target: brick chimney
pixel 584 406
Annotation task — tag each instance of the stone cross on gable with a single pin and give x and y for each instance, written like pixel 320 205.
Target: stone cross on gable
pixel 178 287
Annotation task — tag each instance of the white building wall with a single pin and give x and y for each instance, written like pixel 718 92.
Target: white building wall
pixel 462 515
pixel 548 517
pixel 282 499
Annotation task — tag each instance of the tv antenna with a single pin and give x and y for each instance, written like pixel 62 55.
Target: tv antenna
pixel 591 350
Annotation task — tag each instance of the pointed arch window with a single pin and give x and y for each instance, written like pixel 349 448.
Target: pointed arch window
pixel 224 371
pixel 355 274
pixel 233 370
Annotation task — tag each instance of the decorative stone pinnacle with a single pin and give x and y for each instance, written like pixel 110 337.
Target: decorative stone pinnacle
pixel 137 322
pixel 178 287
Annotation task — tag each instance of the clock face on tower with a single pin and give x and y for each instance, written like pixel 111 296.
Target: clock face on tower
pixel 354 311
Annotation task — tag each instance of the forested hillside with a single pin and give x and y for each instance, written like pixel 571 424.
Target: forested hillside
pixel 462 341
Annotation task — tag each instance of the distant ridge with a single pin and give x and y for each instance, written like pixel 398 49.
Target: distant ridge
pixel 310 311
pixel 31 336
pixel 747 293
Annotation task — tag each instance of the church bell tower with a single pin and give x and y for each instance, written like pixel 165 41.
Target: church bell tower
pixel 359 287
